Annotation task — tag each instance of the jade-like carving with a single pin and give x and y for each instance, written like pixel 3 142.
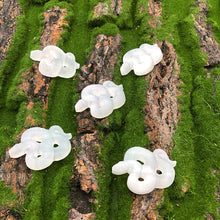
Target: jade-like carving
pixel 142 60
pixel 101 99
pixel 54 62
pixel 42 146
pixel 147 170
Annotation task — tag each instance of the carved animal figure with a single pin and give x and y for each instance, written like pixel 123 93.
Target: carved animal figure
pixel 54 62
pixel 147 170
pixel 101 99
pixel 142 60
pixel 42 146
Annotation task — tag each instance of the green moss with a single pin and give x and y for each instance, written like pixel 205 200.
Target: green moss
pixel 61 4
pixel 108 29
pixel 37 2
pixel 6 137
pixel 20 117
pixel 125 19
pixel 104 179
pixel 62 112
pixel 213 17
pixel 17 61
pixel 54 202
pixel 16 96
pixel 56 191
pixel 36 113
pixel 125 130
pixel 195 136
pixel 13 55
pixel 6 195
pixel 34 197
pixel 47 193
pixel 12 67
pixel 34 25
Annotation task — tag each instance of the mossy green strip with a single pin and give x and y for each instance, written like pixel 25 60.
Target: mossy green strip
pixel 17 61
pixel 125 130
pixel 12 116
pixel 213 16
pixel 196 139
pixel 192 194
pixel 6 195
pixel 62 97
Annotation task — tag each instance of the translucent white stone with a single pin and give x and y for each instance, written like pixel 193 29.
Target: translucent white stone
pixel 54 62
pixel 147 170
pixel 42 146
pixel 141 60
pixel 101 99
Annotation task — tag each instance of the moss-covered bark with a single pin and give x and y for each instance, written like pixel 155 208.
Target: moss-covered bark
pixel 195 144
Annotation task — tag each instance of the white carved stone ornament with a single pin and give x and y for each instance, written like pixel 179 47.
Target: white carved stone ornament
pixel 101 99
pixel 54 62
pixel 142 60
pixel 42 146
pixel 147 170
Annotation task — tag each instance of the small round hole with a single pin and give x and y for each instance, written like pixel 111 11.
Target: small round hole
pixel 111 97
pixel 39 155
pixel 55 145
pixel 140 179
pixel 159 172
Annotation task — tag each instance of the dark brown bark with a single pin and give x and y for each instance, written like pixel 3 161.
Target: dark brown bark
pixel 208 44
pixel 9 10
pixel 99 68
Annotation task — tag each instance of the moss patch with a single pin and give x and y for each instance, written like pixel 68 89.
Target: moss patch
pixel 196 141
pixel 192 194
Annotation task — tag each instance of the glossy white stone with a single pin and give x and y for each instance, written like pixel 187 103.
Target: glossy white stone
pixel 147 170
pixel 101 99
pixel 142 60
pixel 42 146
pixel 54 62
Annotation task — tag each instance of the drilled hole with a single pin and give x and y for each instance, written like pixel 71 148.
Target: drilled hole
pixel 140 179
pixel 55 145
pixel 39 155
pixel 38 141
pixel 159 172
pixel 140 162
